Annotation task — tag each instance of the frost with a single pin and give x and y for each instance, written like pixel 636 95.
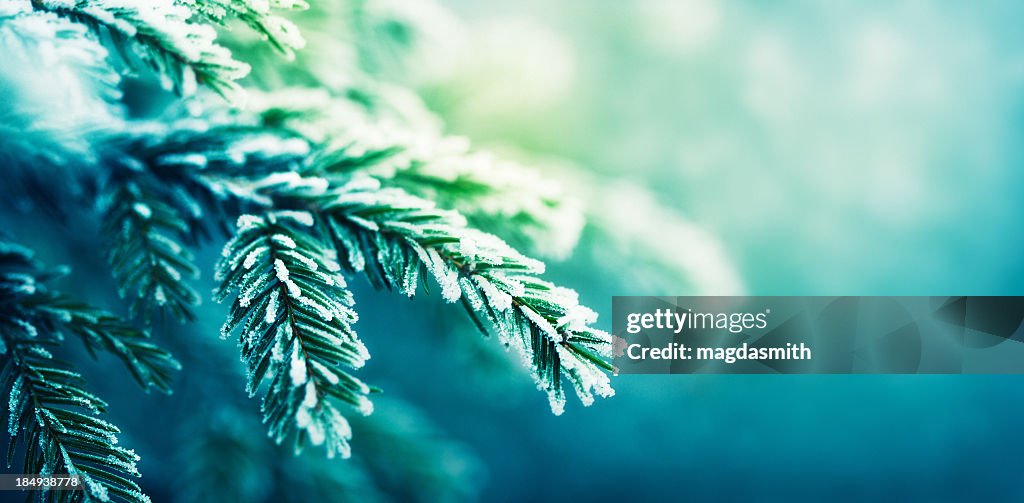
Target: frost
pixel 468 247
pixel 271 315
pixel 142 210
pixel 293 289
pixel 28 328
pixel 283 275
pixel 577 317
pixel 472 295
pixel 410 280
pixel 125 466
pixel 450 290
pixel 499 300
pixel 40 351
pixel 246 222
pixel 190 159
pixel 160 296
pixel 309 401
pixel 325 313
pixel 557 404
pixel 14 406
pixel 365 406
pixel 302 417
pixel 298 367
pixel 316 433
pixel 327 373
pixel 97 490
pixel 278 349
pixel 266 146
pixel 281 270
pixel 283 240
pixel 341 428
pixel 173 273
pixel 252 256
pixel 541 323
pixel 301 217
pixel 306 261
pixel 292 182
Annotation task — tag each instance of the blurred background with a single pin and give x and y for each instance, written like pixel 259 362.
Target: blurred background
pixel 719 147
pixel 833 148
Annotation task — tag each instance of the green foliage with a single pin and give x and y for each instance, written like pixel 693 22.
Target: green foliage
pixel 394 238
pixel 50 410
pixel 374 130
pixel 282 34
pixel 295 318
pixel 321 185
pixel 177 39
pixel 148 259
pixel 158 34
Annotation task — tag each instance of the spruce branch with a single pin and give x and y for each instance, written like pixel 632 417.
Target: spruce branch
pixel 363 131
pixel 495 194
pixel 394 237
pixel 33 304
pixel 294 316
pixel 259 15
pixel 148 260
pixel 159 35
pixel 54 414
pixel 50 409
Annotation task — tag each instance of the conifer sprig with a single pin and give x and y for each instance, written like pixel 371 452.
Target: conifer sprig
pixel 148 259
pixel 360 132
pixel 294 316
pixel 158 34
pixel 394 238
pixel 50 412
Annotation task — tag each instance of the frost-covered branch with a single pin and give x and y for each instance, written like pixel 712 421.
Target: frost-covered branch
pixel 147 257
pixel 55 416
pixel 393 237
pixel 294 316
pixel 158 34
pixel 44 312
pixel 356 133
pixel 259 15
pixel 49 408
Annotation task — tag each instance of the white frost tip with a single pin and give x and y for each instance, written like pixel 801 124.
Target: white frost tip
pixel 250 259
pixel 302 417
pixel 557 406
pixel 309 401
pixel 281 269
pixel 365 406
pixel 272 307
pixel 247 221
pixel 284 241
pixel 143 210
pixel 300 217
pixel 298 369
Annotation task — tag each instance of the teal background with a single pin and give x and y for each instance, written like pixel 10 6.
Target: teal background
pixel 835 148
